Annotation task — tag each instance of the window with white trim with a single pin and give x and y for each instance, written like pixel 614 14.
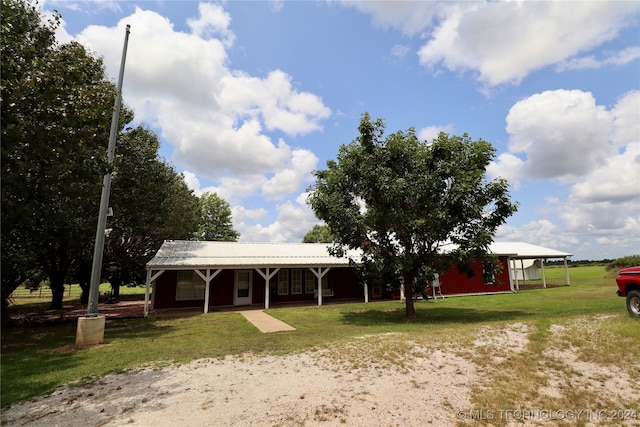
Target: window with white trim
pixel 283 282
pixel 189 286
pixel 296 281
pixel 309 282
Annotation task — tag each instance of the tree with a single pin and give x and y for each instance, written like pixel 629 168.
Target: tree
pixel 402 201
pixel 215 220
pixel 56 109
pixel 318 234
pixel 23 37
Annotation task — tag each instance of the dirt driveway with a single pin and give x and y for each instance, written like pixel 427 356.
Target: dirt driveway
pixel 346 384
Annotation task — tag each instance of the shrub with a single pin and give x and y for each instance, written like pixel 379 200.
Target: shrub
pixel 624 262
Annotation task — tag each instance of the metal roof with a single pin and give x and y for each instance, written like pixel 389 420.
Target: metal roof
pixel 521 250
pixel 183 254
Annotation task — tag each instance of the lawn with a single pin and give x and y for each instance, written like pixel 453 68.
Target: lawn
pixel 37 358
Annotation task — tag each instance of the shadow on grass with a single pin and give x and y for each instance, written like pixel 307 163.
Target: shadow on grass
pixel 37 358
pixel 431 315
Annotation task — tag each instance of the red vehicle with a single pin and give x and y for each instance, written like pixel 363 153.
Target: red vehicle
pixel 628 281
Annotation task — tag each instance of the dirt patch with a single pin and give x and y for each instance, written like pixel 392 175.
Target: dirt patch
pixel 313 388
pixel 384 380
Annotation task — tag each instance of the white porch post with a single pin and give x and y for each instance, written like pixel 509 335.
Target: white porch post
pixel 510 272
pixel 366 293
pixel 515 271
pixel 207 277
pixel 320 273
pixel 150 279
pixel 566 271
pixel 544 279
pixel 267 276
pixel 146 293
pixel 524 279
pixel 402 292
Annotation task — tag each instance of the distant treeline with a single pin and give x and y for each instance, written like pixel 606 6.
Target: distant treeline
pixel 611 264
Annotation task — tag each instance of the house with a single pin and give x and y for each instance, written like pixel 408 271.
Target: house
pixel 188 274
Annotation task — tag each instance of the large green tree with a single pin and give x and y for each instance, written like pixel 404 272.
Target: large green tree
pixel 57 104
pixel 215 219
pixel 318 234
pixel 403 201
pixel 56 108
pixel 23 40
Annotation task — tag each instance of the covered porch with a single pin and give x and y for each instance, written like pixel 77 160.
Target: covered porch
pixel 311 265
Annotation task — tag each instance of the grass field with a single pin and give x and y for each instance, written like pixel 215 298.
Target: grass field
pixel 37 358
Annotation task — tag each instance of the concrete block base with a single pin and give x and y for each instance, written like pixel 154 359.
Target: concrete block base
pixel 90 331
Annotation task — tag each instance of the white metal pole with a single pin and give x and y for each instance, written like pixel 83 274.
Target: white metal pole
pixel 96 269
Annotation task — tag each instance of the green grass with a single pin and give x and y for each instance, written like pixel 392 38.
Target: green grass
pixel 38 358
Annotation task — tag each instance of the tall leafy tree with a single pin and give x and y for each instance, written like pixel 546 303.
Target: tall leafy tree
pixel 401 201
pixel 56 108
pixel 215 219
pixel 318 234
pixel 25 40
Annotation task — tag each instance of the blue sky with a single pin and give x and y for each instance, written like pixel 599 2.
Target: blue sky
pixel 248 98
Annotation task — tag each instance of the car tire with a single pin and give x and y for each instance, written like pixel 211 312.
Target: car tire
pixel 633 303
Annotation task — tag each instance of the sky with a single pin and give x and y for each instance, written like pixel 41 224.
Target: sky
pixel 248 98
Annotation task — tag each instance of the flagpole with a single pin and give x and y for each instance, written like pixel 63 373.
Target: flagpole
pixel 96 269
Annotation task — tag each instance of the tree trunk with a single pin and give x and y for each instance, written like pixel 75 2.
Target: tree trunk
pixel 83 275
pixel 408 295
pixel 5 306
pixel 57 289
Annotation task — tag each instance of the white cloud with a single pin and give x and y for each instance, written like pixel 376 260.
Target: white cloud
pixel 616 181
pixel 87 6
pixel 409 17
pixel 399 51
pixel 623 57
pixel 241 214
pixel 216 118
pixel 540 232
pixel 507 166
pixel 563 133
pixel 431 132
pixel 504 41
pixel 288 180
pixel 192 182
pixel 274 99
pixel 294 220
pixel 626 126
pixel 213 20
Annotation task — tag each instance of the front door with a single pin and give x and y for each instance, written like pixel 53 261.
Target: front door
pixel 242 289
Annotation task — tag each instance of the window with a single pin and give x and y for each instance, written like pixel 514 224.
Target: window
pixel 283 282
pixel 296 281
pixel 189 286
pixel 309 282
pixel 488 273
pixel 325 281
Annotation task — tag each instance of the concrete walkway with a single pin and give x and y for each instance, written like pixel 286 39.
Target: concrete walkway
pixel 264 322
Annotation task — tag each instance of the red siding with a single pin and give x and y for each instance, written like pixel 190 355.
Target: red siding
pixel 342 281
pixel 456 282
